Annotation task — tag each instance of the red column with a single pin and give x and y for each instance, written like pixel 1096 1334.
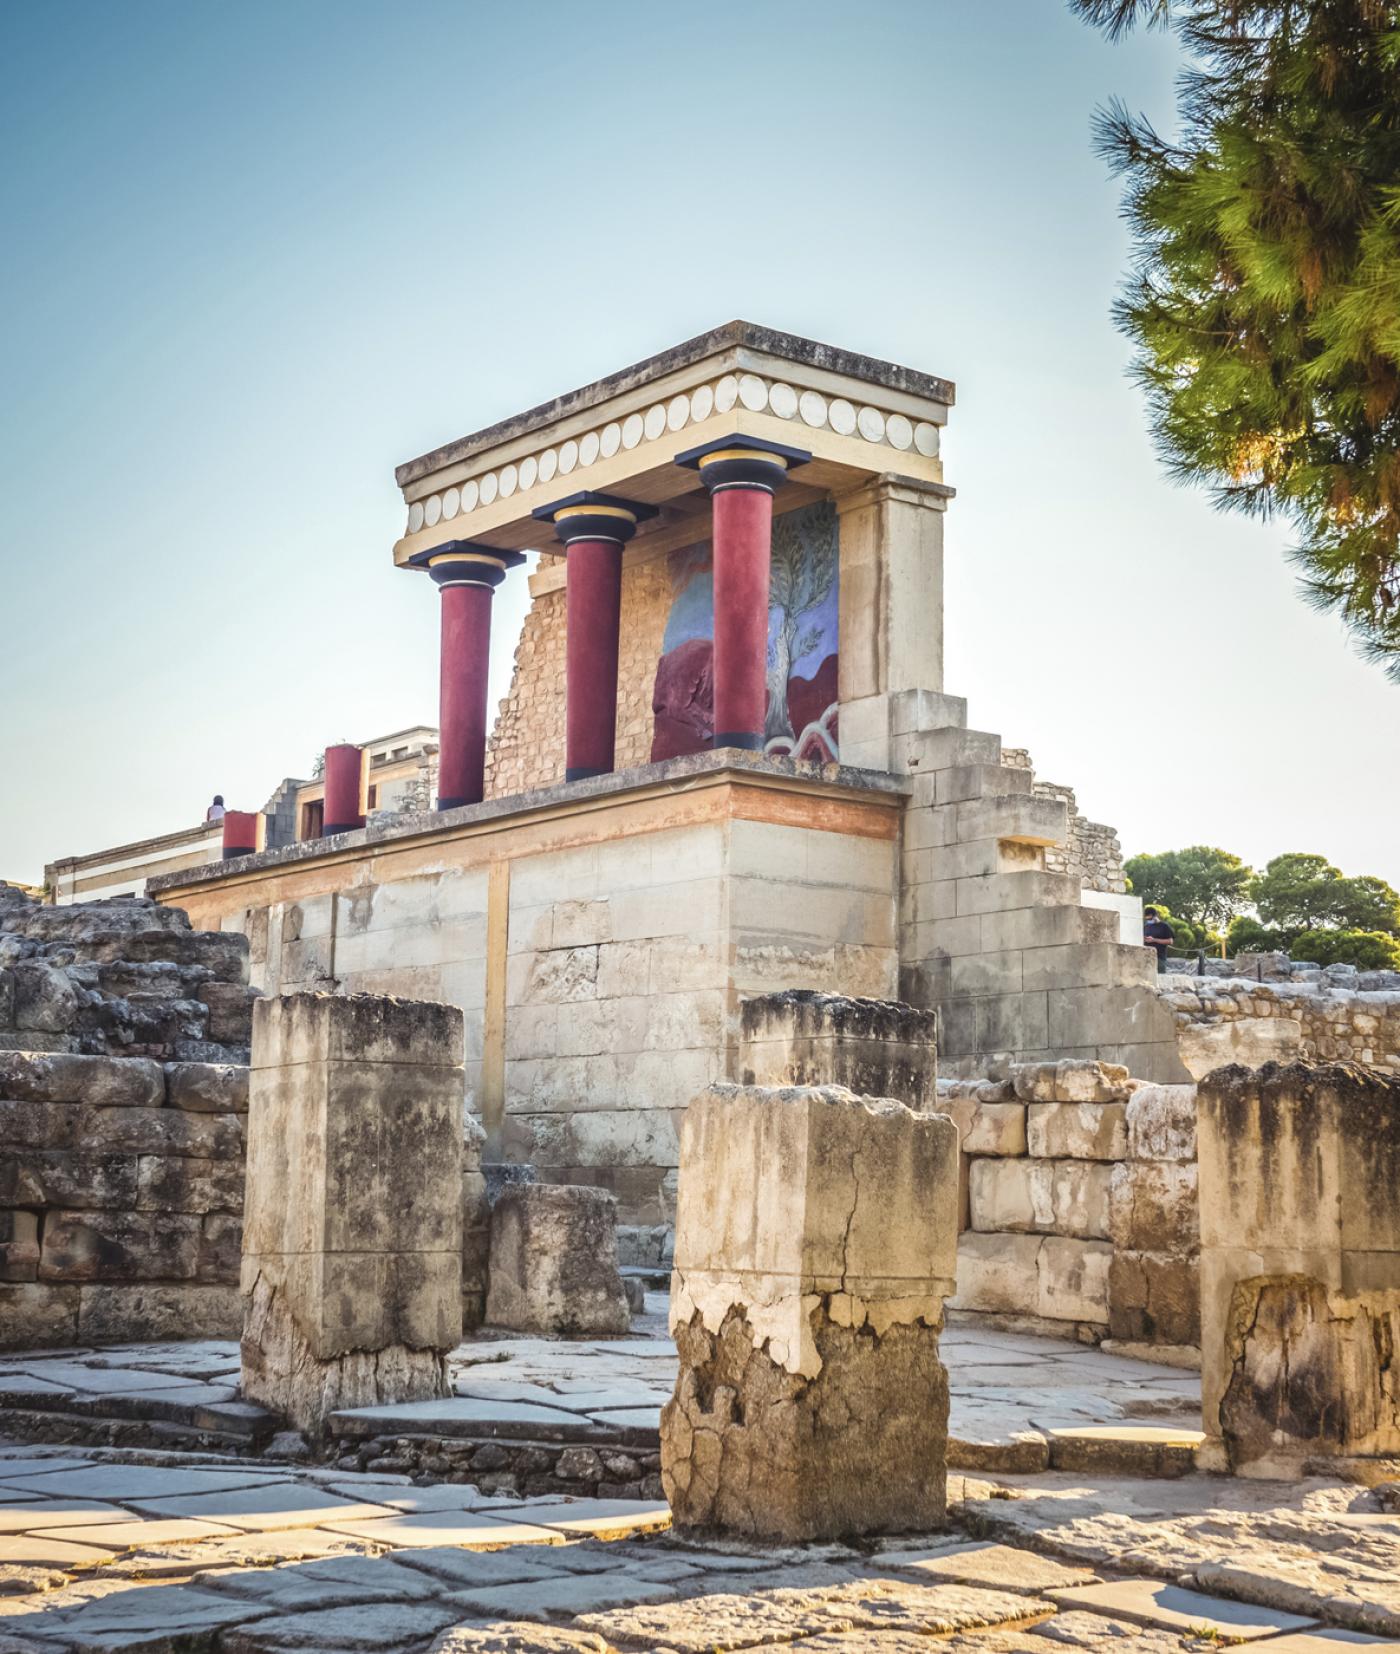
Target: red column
pixel 240 833
pixel 344 807
pixel 743 532
pixel 593 576
pixel 466 656
pixel 466 575
pixel 742 475
pixel 594 528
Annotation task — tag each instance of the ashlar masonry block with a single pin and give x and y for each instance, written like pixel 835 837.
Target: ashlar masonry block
pixel 1299 1171
pixel 874 1047
pixel 815 1244
pixel 352 1261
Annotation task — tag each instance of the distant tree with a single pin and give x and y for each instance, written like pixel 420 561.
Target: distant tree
pixel 1264 300
pixel 1368 950
pixel 1206 887
pixel 1302 892
pixel 1367 903
pixel 1247 935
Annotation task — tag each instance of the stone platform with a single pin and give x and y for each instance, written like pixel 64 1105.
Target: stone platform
pixel 532 1414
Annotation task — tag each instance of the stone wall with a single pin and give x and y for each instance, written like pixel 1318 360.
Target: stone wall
pixel 123 977
pixel 1091 851
pixel 1224 1020
pixel 1079 1203
pixel 121 1199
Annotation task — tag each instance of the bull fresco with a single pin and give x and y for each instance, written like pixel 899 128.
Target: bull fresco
pixel 801 719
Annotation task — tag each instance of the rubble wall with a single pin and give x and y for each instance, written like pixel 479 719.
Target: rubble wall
pixel 1223 1020
pixel 1091 851
pixel 121 1198
pixel 1079 1204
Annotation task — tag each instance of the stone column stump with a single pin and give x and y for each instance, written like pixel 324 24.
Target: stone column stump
pixel 554 1261
pixel 352 1241
pixel 816 1237
pixel 1300 1270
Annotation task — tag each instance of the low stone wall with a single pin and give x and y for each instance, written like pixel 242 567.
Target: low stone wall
pixel 121 1199
pixel 124 977
pixel 1222 1020
pixel 1092 851
pixel 1079 1203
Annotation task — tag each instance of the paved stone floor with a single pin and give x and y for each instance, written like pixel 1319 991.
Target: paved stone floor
pixel 138 1549
pixel 1018 1402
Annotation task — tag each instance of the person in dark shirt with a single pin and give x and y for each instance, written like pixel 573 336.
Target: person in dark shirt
pixel 1157 934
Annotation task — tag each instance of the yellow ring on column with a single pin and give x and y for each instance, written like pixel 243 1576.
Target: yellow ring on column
pixel 743 453
pixel 595 511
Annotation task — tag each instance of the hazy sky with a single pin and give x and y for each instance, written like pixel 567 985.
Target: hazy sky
pixel 254 255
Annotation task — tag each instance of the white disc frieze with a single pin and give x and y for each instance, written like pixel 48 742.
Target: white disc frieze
pixel 899 431
pixel 471 491
pixel 529 472
pixel 509 477
pixel 489 484
pixel 782 399
pixel 842 416
pixel 568 457
pixel 655 421
pixel 678 412
pixel 549 464
pixel 702 403
pixel 415 516
pixel 726 393
pixel 432 511
pixel 633 428
pixel 871 423
pixel 451 503
pixel 610 440
pixel 753 393
pixel 588 445
pixel 812 407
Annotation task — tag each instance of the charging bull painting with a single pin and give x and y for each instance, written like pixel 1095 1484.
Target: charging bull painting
pixel 802 644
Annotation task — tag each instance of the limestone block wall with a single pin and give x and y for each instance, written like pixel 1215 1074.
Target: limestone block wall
pixel 121 1198
pixel 1079 1203
pixel 125 977
pixel 1224 1020
pixel 1091 851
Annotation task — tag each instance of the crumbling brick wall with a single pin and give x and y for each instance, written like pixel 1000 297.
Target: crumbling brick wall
pixel 121 1198
pixel 1079 1202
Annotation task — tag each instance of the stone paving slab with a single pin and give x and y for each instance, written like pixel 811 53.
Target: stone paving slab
pixel 1004 1566
pixel 377 1628
pixel 128 1535
pixel 265 1507
pixel 605 1518
pixel 562 1597
pixel 444 1528
pixel 507 1637
pixel 1150 1602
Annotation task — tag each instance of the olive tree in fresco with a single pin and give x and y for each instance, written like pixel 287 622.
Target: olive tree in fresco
pixel 801 578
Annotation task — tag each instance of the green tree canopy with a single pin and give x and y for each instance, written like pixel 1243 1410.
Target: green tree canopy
pixel 1205 887
pixel 1264 301
pixel 1301 892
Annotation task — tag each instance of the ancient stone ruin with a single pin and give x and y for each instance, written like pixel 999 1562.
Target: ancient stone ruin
pixel 814 1249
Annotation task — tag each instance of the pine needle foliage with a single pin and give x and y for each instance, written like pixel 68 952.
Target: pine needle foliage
pixel 1264 296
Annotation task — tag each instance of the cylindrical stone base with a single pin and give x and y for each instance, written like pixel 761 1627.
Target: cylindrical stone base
pixel 743 526
pixel 594 590
pixel 466 653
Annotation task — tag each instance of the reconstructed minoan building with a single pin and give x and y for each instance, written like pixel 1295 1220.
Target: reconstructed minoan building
pixel 727 766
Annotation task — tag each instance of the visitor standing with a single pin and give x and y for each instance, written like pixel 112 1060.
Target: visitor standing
pixel 1157 934
pixel 215 812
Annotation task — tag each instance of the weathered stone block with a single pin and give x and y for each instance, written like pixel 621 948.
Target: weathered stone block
pixel 815 1243
pixel 119 1246
pixel 1153 1206
pixel 35 1125
pixel 38 1316
pixel 178 1183
pixel 230 1011
pixel 554 1261
pixel 66 1177
pixel 207 1088
pixel 998 1273
pixel 1054 1197
pixel 1081 1131
pixel 1162 1122
pixel 1249 1041
pixel 1154 1297
pixel 986 1128
pixel 113 1314
pixel 1073 1279
pixel 44 998
pixel 1072 1080
pixel 352 1253
pixel 1300 1264
pixel 876 1048
pixel 220 1248
pixel 101 1082
pixel 163 1131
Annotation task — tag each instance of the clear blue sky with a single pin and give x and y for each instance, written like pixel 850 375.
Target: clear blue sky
pixel 257 254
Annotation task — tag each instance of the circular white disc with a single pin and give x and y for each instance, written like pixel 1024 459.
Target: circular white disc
pixel 753 393
pixel 842 416
pixel 872 424
pixel 529 471
pixel 677 413
pixel 432 511
pixel 726 393
pixel 611 440
pixel 655 421
pixel 812 407
pixel 509 477
pixel 702 403
pixel 568 457
pixel 588 448
pixel 926 438
pixel 899 431
pixel 489 485
pixel 549 464
pixel 415 516
pixel 470 491
pixel 632 428
pixel 451 503
pixel 782 399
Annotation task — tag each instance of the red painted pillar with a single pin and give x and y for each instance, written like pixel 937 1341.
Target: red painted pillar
pixel 240 833
pixel 467 576
pixel 593 528
pixel 344 808
pixel 742 475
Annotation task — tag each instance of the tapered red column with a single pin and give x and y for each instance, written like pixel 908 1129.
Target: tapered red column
pixel 344 806
pixel 593 528
pixel 240 833
pixel 742 475
pixel 467 577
